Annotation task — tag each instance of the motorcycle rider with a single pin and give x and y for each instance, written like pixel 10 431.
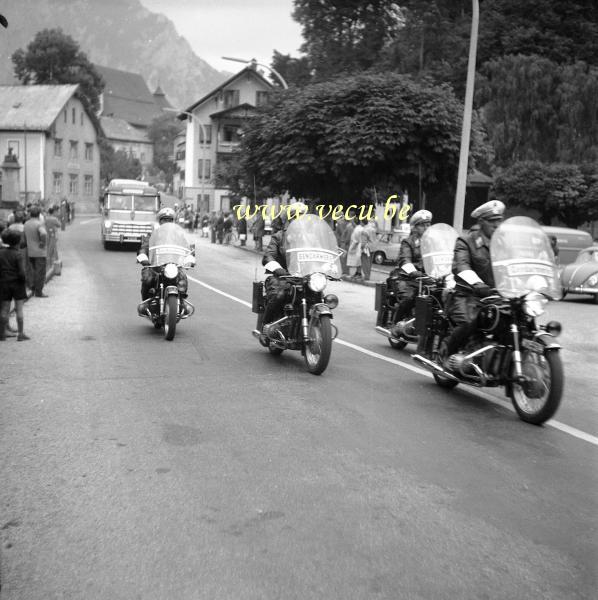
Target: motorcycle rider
pixel 148 277
pixel 410 268
pixel 275 261
pixel 474 279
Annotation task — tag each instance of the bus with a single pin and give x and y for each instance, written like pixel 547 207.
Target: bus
pixel 129 209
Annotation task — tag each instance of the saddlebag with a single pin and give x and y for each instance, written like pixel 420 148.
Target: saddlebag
pixel 257 300
pixel 424 314
pixel 380 296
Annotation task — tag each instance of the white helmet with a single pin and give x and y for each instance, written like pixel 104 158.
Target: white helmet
pixel 166 214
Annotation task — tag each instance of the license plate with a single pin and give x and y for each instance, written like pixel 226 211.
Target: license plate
pixel 314 256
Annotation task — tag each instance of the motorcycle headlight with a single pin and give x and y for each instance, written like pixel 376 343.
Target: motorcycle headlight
pixel 108 226
pixel 171 271
pixel 592 281
pixel 317 282
pixel 534 304
pixel 331 301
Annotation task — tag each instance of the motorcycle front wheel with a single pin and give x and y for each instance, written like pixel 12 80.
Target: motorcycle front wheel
pixel 171 307
pixel 537 400
pixel 319 346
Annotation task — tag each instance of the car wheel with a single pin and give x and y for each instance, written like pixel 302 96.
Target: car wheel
pixel 379 258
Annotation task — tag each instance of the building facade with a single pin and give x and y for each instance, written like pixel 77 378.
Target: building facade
pixel 55 141
pixel 213 133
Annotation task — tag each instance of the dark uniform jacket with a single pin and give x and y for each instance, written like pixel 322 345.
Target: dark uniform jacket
pixel 410 252
pixel 472 252
pixel 276 250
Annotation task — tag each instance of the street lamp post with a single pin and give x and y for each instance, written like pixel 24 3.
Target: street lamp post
pixel 254 62
pixel 203 147
pixel 466 129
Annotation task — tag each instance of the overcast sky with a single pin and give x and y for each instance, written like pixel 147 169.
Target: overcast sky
pixel 240 28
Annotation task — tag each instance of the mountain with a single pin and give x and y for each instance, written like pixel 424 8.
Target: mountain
pixel 121 34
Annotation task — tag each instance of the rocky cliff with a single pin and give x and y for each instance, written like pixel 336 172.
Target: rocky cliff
pixel 117 33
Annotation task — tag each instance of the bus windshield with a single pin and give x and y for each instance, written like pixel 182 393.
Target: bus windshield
pixel 145 202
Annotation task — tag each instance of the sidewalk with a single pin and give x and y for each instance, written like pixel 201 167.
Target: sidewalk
pixel 378 274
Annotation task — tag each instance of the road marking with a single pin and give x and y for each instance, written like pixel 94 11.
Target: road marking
pixel 582 435
pixel 217 291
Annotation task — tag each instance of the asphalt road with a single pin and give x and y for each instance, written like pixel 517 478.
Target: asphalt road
pixel 132 467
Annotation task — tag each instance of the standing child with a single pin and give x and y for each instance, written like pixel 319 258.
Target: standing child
pixel 12 282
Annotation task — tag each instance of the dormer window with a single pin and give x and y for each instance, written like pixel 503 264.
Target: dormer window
pixel 231 98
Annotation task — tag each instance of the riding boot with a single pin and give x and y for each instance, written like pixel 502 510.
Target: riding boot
pixel 3 323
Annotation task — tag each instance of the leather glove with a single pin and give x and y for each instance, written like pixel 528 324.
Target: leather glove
pixel 481 290
pixel 416 274
pixel 280 272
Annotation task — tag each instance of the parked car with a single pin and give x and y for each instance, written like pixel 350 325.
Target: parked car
pixel 387 246
pixel 569 241
pixel 581 276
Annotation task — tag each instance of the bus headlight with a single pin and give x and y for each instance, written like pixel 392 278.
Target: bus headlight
pixel 108 226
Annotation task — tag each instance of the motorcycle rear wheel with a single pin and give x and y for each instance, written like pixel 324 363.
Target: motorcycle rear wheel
pixel 171 307
pixel 548 367
pixel 397 344
pixel 444 382
pixel 319 347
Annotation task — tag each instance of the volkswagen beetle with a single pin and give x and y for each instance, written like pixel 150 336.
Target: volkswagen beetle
pixel 581 276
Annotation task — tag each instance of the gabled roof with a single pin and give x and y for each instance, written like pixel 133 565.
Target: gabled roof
pixel 252 71
pixel 119 129
pixel 240 111
pixel 126 96
pixel 35 107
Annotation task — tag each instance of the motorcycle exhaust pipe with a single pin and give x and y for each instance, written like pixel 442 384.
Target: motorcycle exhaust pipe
pixel 383 331
pixel 426 362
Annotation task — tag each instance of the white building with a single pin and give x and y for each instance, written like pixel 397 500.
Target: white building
pixel 219 115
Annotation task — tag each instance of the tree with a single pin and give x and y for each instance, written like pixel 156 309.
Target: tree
pixel 295 71
pixel 333 140
pixel 344 36
pixel 162 133
pixel 535 109
pixel 117 164
pixel 55 58
pixel 555 191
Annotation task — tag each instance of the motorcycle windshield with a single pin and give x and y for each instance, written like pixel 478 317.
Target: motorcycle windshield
pixel 168 244
pixel 523 260
pixel 311 247
pixel 437 248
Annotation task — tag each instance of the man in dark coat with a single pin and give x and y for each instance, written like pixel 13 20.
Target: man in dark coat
pixel 275 262
pixel 410 268
pixel 472 268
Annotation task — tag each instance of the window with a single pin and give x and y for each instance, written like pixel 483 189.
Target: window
pixel 73 184
pixel 81 118
pixel 207 168
pixel 230 134
pixel 57 184
pixel 231 98
pixel 261 98
pixel 142 157
pixel 74 113
pixel 88 151
pixel 74 150
pixel 57 147
pixel 180 155
pixel 208 129
pixel 65 115
pixel 88 185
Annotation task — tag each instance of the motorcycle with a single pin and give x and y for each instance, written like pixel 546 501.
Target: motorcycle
pixel 169 256
pixel 312 258
pixel 507 348
pixel 438 243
